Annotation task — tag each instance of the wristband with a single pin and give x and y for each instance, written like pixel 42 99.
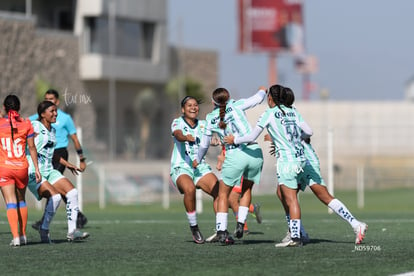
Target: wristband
pixel 79 151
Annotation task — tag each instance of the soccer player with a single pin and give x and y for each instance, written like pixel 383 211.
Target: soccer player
pixel 244 160
pixel 284 126
pixel 312 178
pixel 64 127
pixel 15 134
pixel 187 131
pixel 45 141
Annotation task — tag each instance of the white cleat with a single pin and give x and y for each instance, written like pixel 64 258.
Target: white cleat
pixel 360 231
pixel 213 238
pixel 296 242
pixel 15 242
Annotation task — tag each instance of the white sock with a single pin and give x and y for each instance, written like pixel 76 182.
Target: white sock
pixel 295 228
pixel 72 209
pixel 221 221
pixel 243 211
pixel 340 209
pixel 287 217
pixel 50 210
pixel 192 218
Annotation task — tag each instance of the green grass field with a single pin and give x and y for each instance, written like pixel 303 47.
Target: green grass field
pixel 147 240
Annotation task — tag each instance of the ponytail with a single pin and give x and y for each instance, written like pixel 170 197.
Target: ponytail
pixel 220 98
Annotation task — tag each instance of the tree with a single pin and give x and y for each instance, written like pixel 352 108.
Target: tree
pixel 179 87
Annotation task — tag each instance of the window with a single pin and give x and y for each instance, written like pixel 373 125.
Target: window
pixel 132 38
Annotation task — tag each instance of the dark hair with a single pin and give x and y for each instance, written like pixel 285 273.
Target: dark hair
pixel 276 91
pixel 220 98
pixel 11 102
pixel 42 107
pixel 12 106
pixel 53 92
pixel 186 98
pixel 288 97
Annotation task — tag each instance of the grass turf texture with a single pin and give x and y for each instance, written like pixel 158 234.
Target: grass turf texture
pixel 147 240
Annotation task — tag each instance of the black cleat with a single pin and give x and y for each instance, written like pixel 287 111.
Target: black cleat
pixel 81 221
pixel 239 230
pixel 225 238
pixel 197 236
pixel 36 225
pixel 44 236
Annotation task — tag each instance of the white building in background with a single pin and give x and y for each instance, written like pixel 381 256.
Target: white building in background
pixel 122 52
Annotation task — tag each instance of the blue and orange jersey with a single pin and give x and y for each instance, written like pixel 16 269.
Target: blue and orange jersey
pixel 13 147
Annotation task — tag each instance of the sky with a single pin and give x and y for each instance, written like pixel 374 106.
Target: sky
pixel 365 49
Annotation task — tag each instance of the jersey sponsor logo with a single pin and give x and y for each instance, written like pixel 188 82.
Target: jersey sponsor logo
pixel 3 179
pixel 217 118
pixel 49 144
pixel 279 114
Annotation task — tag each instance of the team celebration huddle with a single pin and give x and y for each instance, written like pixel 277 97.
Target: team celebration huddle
pixel 30 156
pixel 241 161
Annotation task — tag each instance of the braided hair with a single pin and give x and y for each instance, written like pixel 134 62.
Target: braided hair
pixel 12 106
pixel 276 92
pixel 220 98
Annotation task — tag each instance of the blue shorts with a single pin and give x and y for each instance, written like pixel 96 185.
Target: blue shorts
pixel 289 173
pixel 195 174
pixel 245 161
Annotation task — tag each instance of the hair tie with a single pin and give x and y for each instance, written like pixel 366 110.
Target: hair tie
pixel 216 103
pixel 13 117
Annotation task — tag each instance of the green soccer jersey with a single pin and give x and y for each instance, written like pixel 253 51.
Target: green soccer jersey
pixel 185 152
pixel 235 118
pixel 45 142
pixel 285 132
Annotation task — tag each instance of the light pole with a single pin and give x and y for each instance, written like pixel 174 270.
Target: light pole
pixel 111 80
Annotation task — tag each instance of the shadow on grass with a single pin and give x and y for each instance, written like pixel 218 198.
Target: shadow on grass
pixel 316 241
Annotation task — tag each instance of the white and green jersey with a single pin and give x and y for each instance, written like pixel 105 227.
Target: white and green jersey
pixel 185 152
pixel 310 153
pixel 45 142
pixel 235 118
pixel 285 132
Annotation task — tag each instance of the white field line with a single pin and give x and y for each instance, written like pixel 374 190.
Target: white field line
pixel 153 221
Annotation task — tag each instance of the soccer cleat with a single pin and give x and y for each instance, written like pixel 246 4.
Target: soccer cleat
pixel 295 242
pixel 36 225
pixel 44 236
pixel 15 242
pixel 225 238
pixel 287 237
pixel 23 240
pixel 360 231
pixel 77 235
pixel 197 236
pixel 257 213
pixel 213 238
pixel 81 220
pixel 304 238
pixel 239 230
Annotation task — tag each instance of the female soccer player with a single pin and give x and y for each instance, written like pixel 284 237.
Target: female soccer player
pixel 15 134
pixel 284 126
pixel 313 179
pixel 244 160
pixel 187 131
pixel 45 141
